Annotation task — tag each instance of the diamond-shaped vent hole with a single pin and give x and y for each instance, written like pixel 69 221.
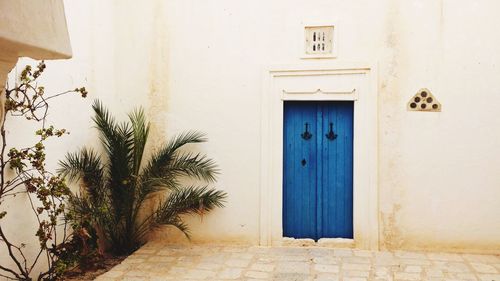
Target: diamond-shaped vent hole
pixel 424 100
pixel 319 40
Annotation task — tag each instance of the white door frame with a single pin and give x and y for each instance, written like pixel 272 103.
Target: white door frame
pixel 321 82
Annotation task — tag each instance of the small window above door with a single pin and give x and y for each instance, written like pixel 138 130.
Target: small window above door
pixel 319 42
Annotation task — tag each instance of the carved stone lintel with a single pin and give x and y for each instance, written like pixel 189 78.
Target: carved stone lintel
pixel 320 91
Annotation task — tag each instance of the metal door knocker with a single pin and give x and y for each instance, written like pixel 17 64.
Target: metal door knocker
pixel 306 135
pixel 303 162
pixel 331 135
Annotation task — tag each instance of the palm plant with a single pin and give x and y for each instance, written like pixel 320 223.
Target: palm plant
pixel 118 184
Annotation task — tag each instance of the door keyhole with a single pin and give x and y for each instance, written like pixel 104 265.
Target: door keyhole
pixel 303 162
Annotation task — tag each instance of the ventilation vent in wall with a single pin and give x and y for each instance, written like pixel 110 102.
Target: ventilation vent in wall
pixel 424 100
pixel 319 41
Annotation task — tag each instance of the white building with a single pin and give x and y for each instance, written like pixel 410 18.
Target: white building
pixel 422 180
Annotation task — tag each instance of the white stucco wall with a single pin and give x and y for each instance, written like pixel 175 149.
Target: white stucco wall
pixel 441 168
pixel 35 29
pixel 199 65
pixel 438 185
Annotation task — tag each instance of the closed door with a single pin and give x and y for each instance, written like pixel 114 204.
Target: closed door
pixel 318 169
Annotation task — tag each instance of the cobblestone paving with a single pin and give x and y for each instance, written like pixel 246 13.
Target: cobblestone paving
pixel 160 262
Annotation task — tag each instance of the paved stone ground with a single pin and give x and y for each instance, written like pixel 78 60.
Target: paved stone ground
pixel 160 262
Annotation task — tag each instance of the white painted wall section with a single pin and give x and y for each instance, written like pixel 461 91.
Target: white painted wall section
pixel 198 65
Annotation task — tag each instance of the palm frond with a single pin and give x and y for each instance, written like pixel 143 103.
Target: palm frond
pixel 105 123
pixel 190 200
pixel 117 138
pixel 193 165
pixel 158 173
pixel 162 157
pixel 86 165
pixel 140 129
pixel 154 184
pixel 120 154
pixel 182 164
pixel 183 139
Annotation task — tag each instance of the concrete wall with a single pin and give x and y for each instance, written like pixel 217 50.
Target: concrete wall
pixel 199 65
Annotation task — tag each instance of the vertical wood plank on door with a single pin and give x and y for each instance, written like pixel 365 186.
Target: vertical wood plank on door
pixel 300 180
pixel 319 172
pixel 338 171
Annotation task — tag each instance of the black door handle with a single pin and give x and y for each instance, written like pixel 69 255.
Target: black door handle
pixel 331 134
pixel 306 135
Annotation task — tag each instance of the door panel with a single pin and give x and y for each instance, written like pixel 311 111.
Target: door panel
pixel 336 183
pixel 300 164
pixel 317 177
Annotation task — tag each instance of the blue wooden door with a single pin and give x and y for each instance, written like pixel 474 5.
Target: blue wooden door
pixel 318 169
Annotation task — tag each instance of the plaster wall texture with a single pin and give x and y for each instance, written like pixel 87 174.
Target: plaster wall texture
pixel 199 65
pixel 438 183
pixel 35 29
